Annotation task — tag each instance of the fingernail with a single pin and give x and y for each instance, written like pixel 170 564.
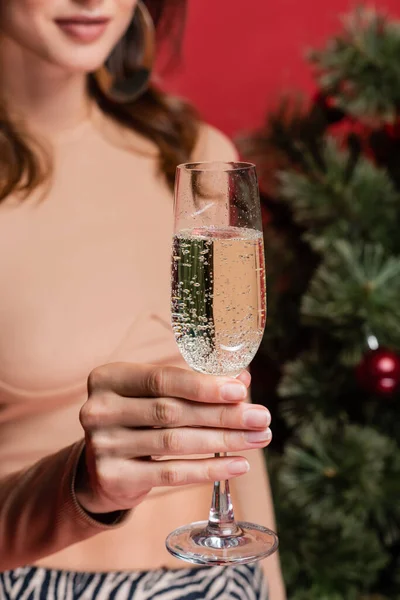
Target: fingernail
pixel 245 377
pixel 238 467
pixel 233 391
pixel 256 417
pixel 258 436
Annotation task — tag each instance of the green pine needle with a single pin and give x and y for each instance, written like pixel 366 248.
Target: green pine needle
pixel 332 494
pixel 360 67
pixel 357 203
pixel 309 384
pixel 337 555
pixel 336 465
pixel 356 288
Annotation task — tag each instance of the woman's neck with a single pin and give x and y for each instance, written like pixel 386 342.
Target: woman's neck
pixel 48 99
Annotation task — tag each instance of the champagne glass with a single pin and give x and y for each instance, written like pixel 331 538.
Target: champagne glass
pixel 218 316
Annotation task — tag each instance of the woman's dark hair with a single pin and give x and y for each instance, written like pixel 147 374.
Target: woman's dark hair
pixel 169 122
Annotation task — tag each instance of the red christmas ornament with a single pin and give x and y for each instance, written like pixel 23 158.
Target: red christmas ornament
pixel 379 372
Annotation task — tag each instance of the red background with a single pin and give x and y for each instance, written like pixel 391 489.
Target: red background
pixel 239 56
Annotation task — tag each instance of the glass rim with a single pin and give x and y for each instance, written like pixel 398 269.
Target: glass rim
pixel 220 166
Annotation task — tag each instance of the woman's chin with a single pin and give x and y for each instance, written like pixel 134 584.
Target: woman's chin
pixel 80 64
pixel 75 58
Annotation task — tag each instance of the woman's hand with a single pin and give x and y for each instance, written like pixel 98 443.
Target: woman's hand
pixel 137 414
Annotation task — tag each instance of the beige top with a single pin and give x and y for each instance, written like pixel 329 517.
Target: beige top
pixel 85 280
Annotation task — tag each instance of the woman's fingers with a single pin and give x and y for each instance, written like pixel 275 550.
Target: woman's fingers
pixel 126 481
pixel 183 441
pixel 184 472
pixel 245 378
pixel 112 410
pixel 135 412
pixel 139 380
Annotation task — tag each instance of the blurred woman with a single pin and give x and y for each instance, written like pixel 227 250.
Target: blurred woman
pixel 88 151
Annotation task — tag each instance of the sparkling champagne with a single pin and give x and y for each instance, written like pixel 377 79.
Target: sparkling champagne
pixel 218 297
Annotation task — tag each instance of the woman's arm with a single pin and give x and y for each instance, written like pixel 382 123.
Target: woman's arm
pixel 39 514
pixel 133 411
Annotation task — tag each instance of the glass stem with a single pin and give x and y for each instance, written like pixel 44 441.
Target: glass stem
pixel 222 519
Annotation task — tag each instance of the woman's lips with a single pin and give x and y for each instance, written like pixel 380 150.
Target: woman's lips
pixel 83 29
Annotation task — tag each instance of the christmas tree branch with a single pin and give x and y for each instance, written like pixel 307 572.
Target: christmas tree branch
pixel 335 203
pixel 359 68
pixel 356 288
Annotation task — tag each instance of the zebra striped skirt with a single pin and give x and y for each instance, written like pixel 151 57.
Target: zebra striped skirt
pixel 241 582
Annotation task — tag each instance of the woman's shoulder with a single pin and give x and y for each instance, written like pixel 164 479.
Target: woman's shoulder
pixel 212 144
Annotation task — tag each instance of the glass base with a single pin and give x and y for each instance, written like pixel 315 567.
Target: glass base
pixel 197 544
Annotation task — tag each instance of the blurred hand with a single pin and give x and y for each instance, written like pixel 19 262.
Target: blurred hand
pixel 137 414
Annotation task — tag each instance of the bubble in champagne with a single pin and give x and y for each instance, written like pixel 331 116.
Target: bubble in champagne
pixel 218 297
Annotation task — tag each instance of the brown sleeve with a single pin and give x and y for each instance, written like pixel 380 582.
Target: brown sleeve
pixel 39 513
